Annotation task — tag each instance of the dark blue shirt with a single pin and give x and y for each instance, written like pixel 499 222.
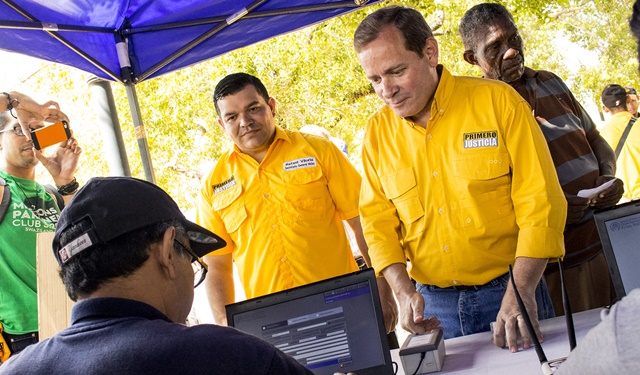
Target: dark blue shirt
pixel 121 336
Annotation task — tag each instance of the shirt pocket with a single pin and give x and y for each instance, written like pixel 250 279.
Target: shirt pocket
pixel 230 207
pixel 485 195
pixel 401 188
pixel 306 194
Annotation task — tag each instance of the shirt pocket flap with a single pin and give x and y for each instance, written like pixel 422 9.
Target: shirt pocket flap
pixel 481 167
pixel 224 198
pixel 397 183
pixel 231 214
pixel 302 176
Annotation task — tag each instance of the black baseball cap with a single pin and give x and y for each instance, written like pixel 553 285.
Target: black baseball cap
pixel 614 96
pixel 115 206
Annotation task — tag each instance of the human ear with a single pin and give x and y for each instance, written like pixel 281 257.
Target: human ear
pixel 272 104
pixel 430 50
pixel 167 253
pixel 470 57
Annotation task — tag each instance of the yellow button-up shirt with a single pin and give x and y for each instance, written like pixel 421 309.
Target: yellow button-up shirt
pixel 465 196
pixel 282 218
pixel 628 163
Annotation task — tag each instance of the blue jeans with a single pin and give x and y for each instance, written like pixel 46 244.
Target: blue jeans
pixel 471 311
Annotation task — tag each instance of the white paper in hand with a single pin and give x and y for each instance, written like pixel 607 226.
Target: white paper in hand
pixel 592 193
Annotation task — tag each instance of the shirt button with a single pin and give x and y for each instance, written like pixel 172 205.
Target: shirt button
pixel 454 282
pixel 274 226
pixel 283 259
pixel 266 195
pixel 435 174
pixel 440 210
pixel 442 111
pixel 445 248
pixel 429 136
pixel 468 220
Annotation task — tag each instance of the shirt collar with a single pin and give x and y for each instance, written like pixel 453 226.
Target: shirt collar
pixel 444 91
pixel 529 73
pixel 622 114
pixel 114 308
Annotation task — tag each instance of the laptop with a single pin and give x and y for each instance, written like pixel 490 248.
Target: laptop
pixel 334 325
pixel 619 229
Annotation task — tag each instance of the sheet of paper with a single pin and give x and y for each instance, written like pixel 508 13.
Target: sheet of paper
pixel 592 193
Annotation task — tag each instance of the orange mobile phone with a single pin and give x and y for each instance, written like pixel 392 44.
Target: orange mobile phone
pixel 50 135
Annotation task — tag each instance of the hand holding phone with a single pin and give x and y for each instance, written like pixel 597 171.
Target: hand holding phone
pixel 50 135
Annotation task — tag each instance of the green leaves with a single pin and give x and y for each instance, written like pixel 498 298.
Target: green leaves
pixel 315 76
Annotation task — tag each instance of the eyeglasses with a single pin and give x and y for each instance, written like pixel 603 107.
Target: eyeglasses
pixel 199 267
pixel 17 130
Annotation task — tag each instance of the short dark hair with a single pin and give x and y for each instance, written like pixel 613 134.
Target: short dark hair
pixel 408 21
pixel 481 15
pixel 234 83
pixel 634 25
pixel 4 119
pixel 85 272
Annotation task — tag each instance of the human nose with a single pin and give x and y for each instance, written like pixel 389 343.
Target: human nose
pixel 244 120
pixel 388 88
pixel 510 53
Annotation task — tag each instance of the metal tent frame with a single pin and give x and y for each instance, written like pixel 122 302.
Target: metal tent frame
pixel 196 32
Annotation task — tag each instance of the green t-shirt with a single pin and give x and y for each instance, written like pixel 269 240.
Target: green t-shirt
pixel 32 210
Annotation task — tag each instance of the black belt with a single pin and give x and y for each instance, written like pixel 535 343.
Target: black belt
pixel 18 343
pixel 461 288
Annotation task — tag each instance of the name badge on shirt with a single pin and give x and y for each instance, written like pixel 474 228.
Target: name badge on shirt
pixel 481 139
pixel 300 163
pixel 219 188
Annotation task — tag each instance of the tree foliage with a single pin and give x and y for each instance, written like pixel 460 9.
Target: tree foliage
pixel 315 77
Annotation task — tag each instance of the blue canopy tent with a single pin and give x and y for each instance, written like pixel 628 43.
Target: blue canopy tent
pixel 130 41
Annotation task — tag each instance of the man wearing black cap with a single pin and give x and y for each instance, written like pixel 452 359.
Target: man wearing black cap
pixel 614 101
pixel 128 256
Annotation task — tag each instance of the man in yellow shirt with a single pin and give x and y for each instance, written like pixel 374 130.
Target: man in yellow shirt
pixel 614 101
pixel 459 180
pixel 278 198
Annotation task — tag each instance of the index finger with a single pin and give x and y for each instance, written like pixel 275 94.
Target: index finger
pixel 52 103
pixel 54 115
pixel 417 307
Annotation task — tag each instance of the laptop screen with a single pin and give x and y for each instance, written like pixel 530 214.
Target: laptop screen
pixel 619 229
pixel 328 326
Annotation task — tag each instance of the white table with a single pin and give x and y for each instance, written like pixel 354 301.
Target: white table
pixel 476 354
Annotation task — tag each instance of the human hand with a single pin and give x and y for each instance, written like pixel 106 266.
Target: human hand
pixel 62 164
pixel 510 323
pixel 576 207
pixel 411 314
pixel 610 196
pixel 30 113
pixel 541 120
pixel 389 306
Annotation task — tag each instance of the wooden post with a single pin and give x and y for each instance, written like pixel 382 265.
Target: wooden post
pixel 54 306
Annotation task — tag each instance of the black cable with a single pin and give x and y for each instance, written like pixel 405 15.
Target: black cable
pixel 420 363
pixel 395 366
pixel 567 309
pixel 527 320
